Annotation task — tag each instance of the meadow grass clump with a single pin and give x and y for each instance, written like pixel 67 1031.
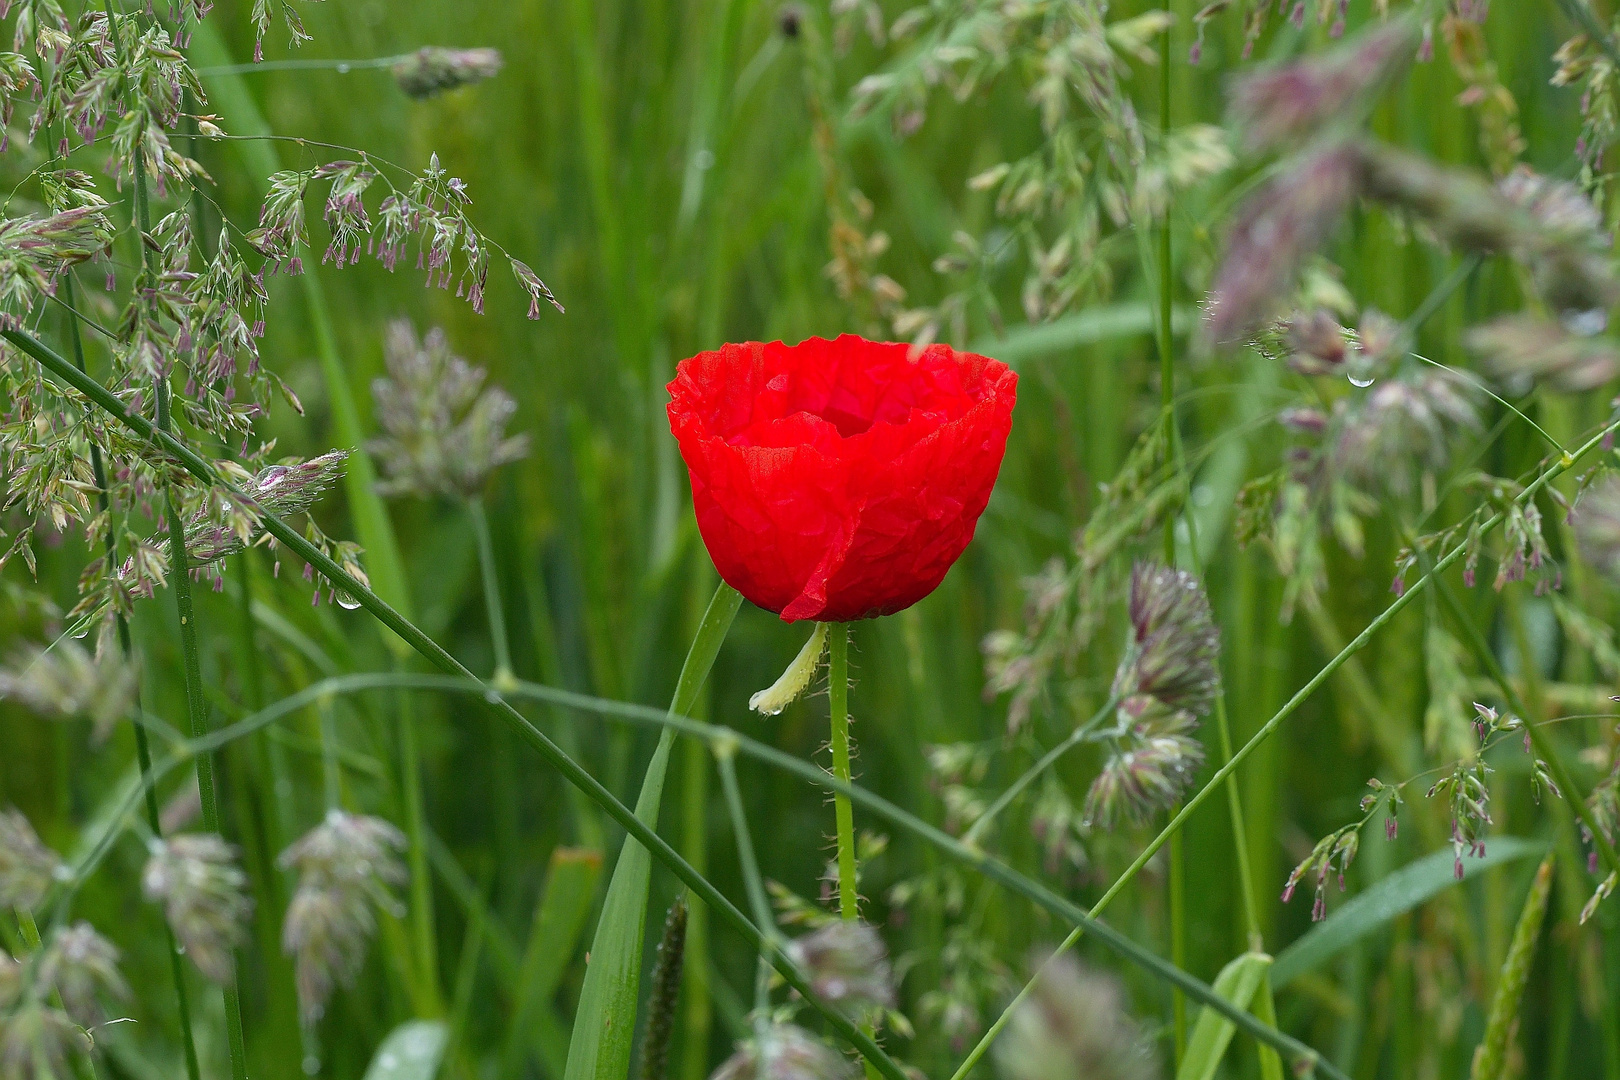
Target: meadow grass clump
pixel 1194 445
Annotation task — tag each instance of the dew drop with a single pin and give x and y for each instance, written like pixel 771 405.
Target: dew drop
pixel 344 600
pixel 1363 383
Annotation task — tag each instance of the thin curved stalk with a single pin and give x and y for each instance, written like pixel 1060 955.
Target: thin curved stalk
pixel 1076 737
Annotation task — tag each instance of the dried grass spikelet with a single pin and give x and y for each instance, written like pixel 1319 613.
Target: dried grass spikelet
pixel 786 1052
pixel 67 680
pixel 444 432
pixel 847 964
pixel 196 879
pixel 1521 349
pixel 1293 102
pixel 285 489
pixel 1168 677
pixel 27 866
pixel 346 865
pixel 431 70
pixel 1597 527
pixel 82 966
pixel 1073 1024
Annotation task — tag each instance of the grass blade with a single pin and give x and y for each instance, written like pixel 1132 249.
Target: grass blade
pixel 1212 1034
pixel 604 1026
pixel 412 1051
pixel 1395 895
pixel 559 920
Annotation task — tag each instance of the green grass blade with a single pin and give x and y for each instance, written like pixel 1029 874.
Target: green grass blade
pixel 1212 1034
pixel 1395 895
pixel 559 920
pixel 604 1027
pixel 412 1051
pixel 1026 342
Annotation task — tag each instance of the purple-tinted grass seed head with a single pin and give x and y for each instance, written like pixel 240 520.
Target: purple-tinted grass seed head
pixel 432 70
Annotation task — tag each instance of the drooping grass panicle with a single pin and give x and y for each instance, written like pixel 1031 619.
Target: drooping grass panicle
pixel 82 966
pixel 68 680
pixel 432 69
pixel 27 865
pixel 1173 654
pixel 1294 102
pixel 346 867
pixel 197 880
pixel 444 431
pixel 1073 1024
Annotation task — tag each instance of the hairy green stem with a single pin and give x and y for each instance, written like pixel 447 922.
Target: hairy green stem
pixel 838 698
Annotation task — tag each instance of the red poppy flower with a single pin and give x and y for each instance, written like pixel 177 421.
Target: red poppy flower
pixel 836 480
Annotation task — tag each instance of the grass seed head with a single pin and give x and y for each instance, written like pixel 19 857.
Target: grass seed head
pixel 786 1052
pixel 27 866
pixel 444 432
pixel 1073 1024
pixel 432 70
pixel 82 966
pixel 847 964
pixel 67 680
pixel 196 878
pixel 346 865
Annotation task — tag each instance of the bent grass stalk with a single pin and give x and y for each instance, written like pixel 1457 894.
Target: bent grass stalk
pixel 1033 773
pixel 199 467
